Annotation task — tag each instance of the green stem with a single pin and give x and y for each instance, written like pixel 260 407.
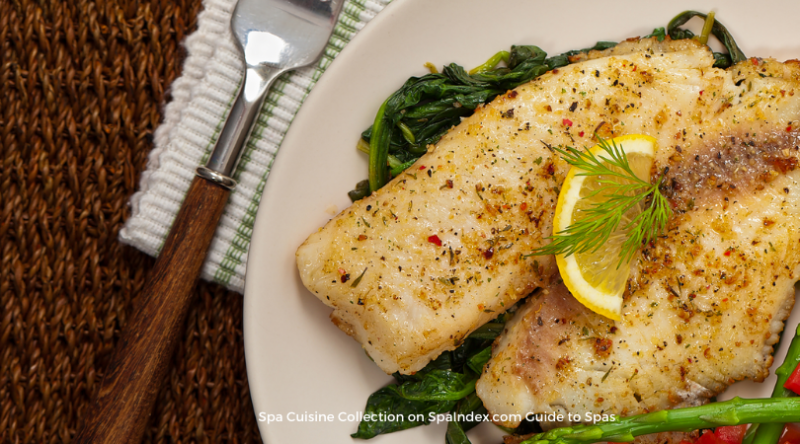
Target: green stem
pixel 718 30
pixel 709 23
pixel 501 56
pixel 363 146
pixel 407 133
pixel 771 433
pixel 395 165
pixel 379 149
pixel 734 412
pixel 751 434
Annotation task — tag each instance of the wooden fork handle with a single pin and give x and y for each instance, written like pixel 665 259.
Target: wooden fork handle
pixel 120 411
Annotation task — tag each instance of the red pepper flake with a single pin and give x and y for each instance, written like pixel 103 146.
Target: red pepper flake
pixel 725 300
pixel 362 237
pixel 602 347
pixel 754 61
pixel 580 134
pixel 634 68
pixel 788 128
pixel 566 122
pixel 523 206
pixel 512 94
pixel 345 278
pixel 435 240
pixel 422 167
pixel 701 92
pixel 727 252
pixel 488 253
pixel 783 93
pixel 555 71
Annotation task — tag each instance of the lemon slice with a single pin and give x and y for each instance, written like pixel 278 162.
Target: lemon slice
pixel 593 277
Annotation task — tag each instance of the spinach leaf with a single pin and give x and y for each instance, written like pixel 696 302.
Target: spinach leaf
pixel 443 362
pixel 478 360
pixel 488 331
pixel 410 404
pixel 438 385
pixel 470 404
pixel 457 429
pixel 390 412
pixel 659 33
pixel 735 54
pixel 361 191
pixel 456 434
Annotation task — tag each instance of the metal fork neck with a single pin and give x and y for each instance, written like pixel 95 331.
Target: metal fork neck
pixel 236 131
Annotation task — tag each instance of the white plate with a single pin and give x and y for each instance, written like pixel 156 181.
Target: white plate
pixel 297 361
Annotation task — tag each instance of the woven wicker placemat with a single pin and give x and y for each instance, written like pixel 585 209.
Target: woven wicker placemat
pixel 82 88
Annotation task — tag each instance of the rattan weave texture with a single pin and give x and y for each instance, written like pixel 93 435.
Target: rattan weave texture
pixel 82 88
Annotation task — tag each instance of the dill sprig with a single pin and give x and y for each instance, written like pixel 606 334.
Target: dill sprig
pixel 621 190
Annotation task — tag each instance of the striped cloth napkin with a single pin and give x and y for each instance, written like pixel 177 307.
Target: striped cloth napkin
pixel 201 98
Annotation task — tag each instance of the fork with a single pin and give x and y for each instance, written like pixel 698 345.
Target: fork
pixel 273 36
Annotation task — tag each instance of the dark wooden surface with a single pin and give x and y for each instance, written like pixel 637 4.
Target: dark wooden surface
pixel 141 358
pixel 83 85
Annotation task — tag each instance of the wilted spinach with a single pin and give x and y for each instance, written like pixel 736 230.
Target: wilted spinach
pixel 389 401
pixel 457 431
pixel 424 108
pixel 446 384
pixel 734 55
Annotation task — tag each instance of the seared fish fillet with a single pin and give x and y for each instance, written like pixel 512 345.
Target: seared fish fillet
pixel 707 301
pixel 418 265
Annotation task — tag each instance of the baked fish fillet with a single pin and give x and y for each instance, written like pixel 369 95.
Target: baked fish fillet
pixel 418 265
pixel 707 300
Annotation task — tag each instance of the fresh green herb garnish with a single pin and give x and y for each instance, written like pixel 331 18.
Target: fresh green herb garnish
pixel 358 280
pixel 623 191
